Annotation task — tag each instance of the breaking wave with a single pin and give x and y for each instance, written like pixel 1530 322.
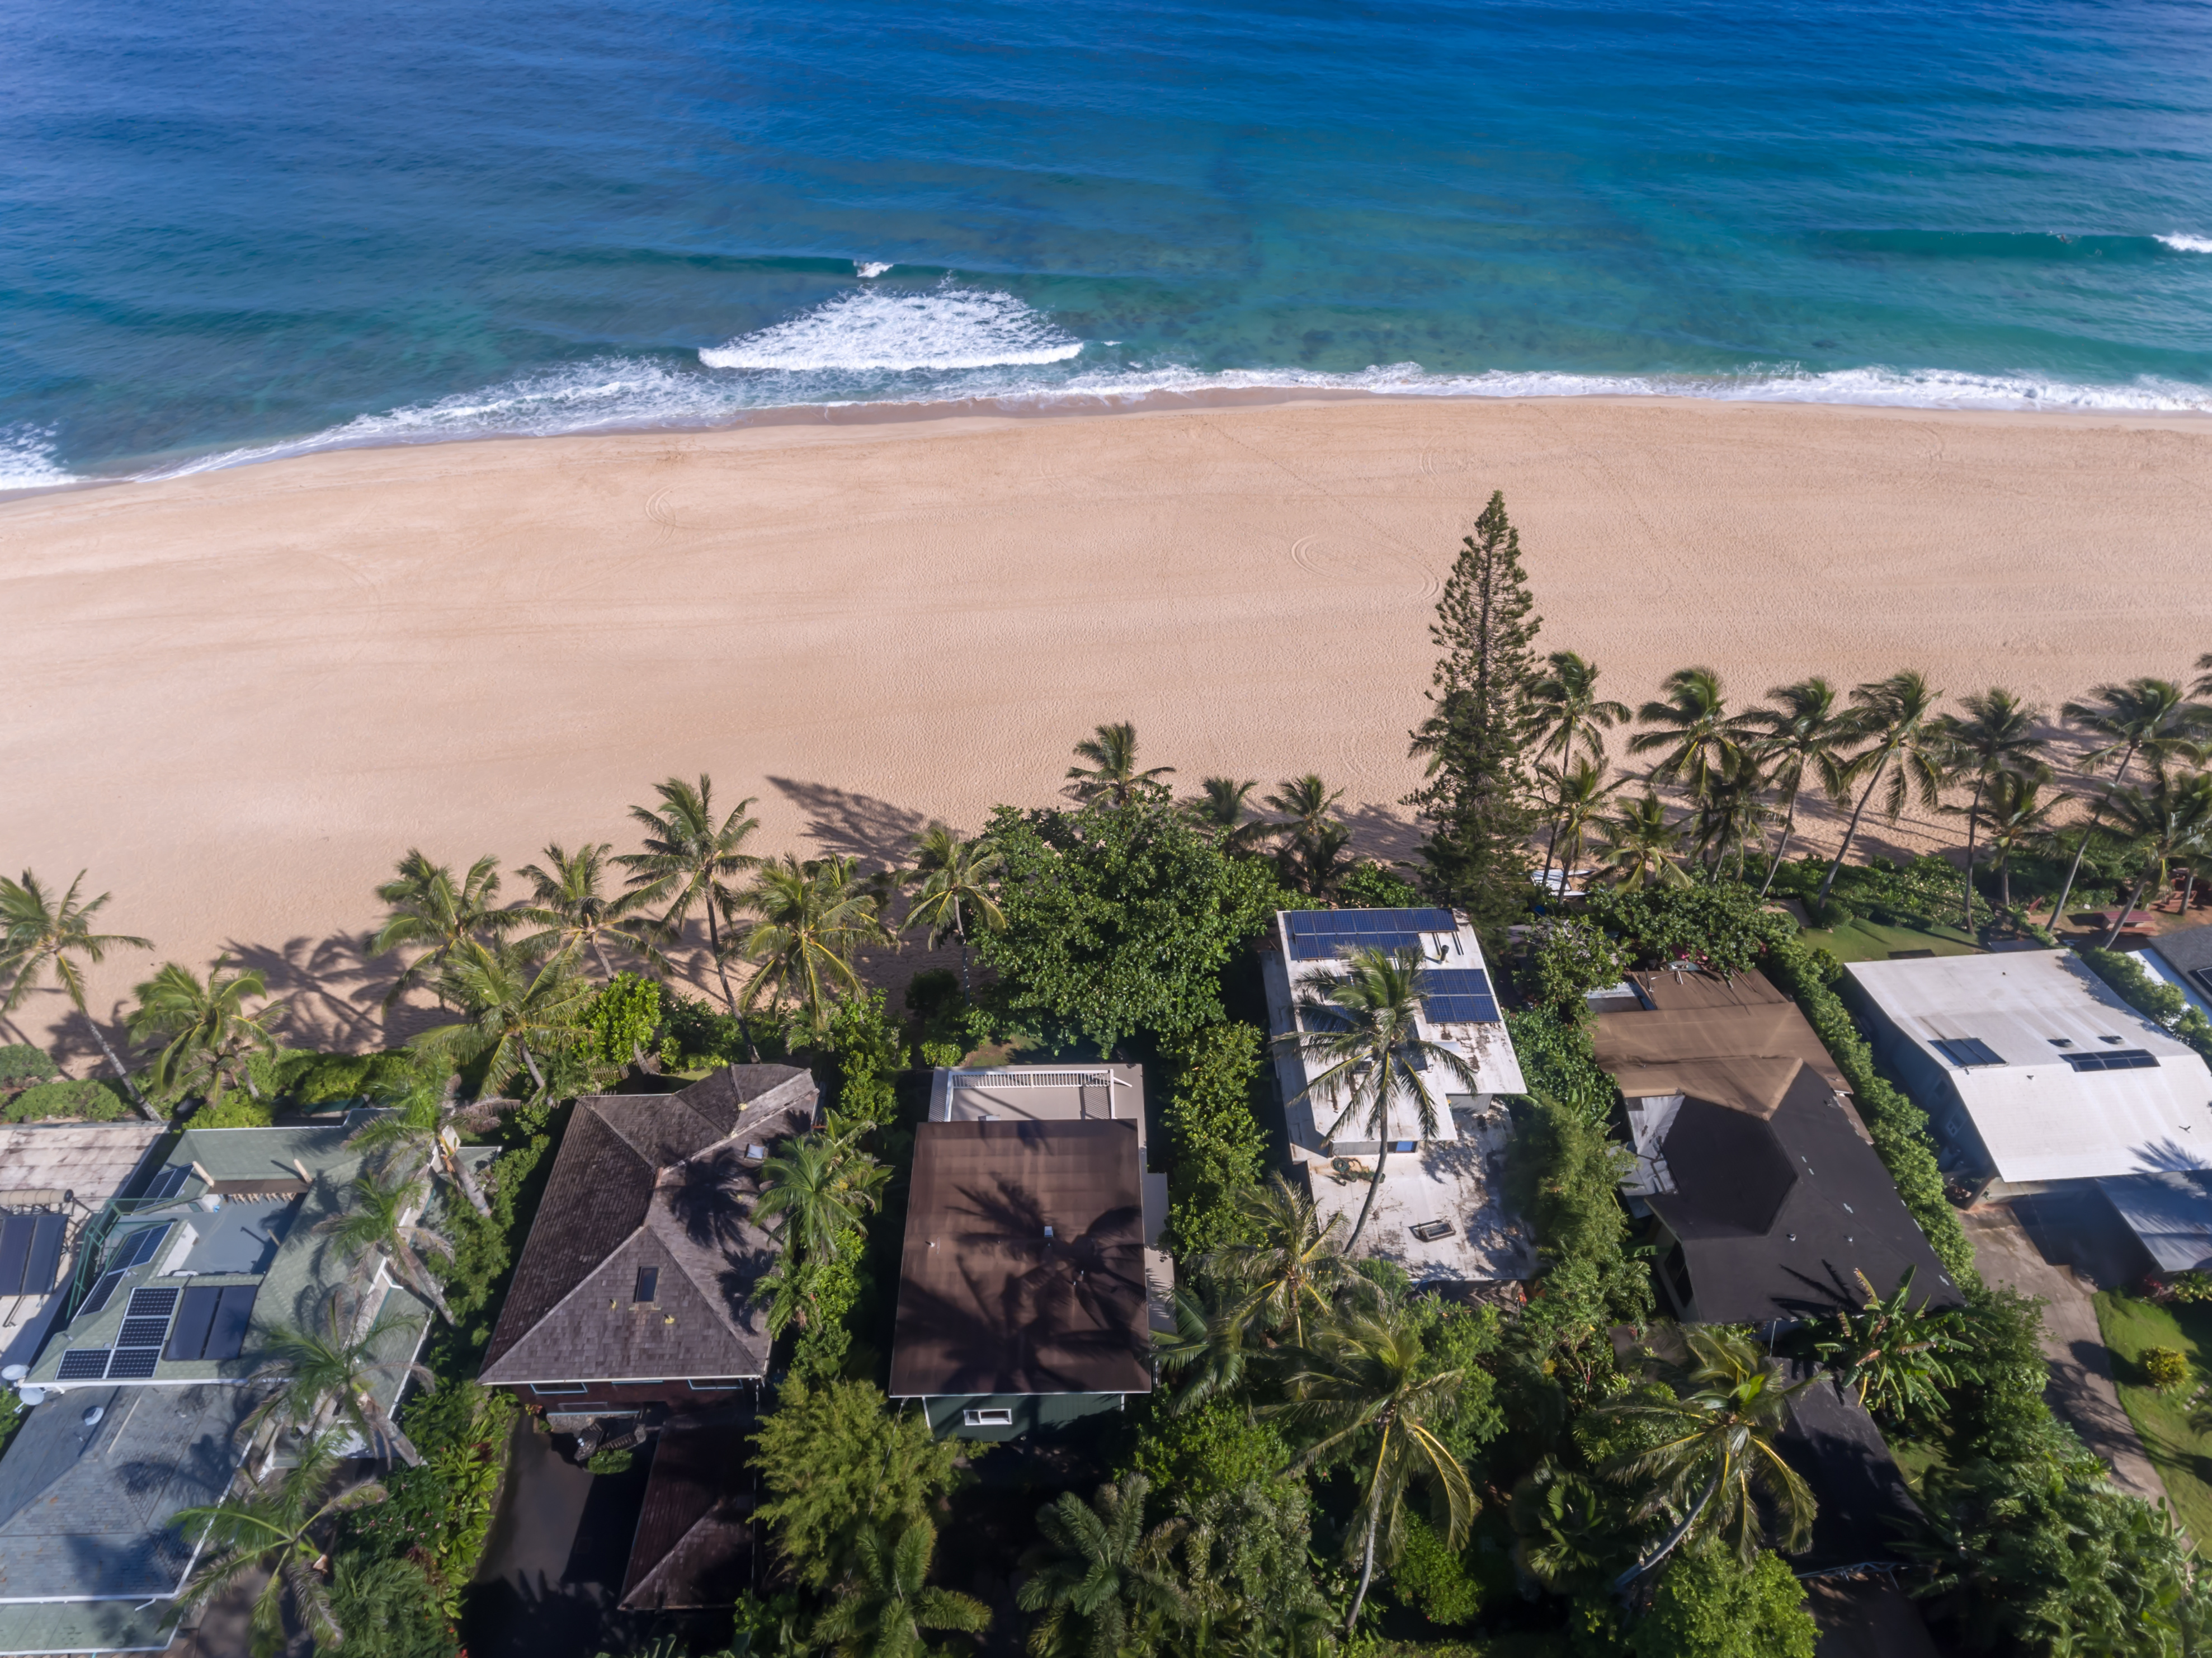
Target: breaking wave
pixel 27 459
pixel 941 328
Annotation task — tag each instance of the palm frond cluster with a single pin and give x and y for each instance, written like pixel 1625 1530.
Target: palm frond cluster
pixel 1740 774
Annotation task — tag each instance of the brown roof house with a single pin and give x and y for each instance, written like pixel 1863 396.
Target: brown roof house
pixel 1024 1288
pixel 1765 1188
pixel 636 1288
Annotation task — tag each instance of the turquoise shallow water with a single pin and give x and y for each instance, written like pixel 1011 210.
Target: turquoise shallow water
pixel 239 228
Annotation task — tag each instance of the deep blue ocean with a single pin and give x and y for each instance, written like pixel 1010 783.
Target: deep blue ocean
pixel 236 228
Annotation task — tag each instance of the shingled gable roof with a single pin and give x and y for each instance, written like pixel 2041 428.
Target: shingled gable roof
pixel 658 1180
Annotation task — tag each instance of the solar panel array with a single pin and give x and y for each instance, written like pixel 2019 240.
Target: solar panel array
pixel 1458 995
pixel 30 1252
pixel 1966 1051
pixel 1318 934
pixel 212 1321
pixel 2123 1059
pixel 153 1301
pixel 145 1326
pixel 84 1364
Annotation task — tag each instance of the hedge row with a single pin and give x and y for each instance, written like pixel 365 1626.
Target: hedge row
pixel 1899 1127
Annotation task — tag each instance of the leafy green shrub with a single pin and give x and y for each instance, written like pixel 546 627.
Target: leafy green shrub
pixel 321 1079
pixel 2190 1288
pixel 697 1032
pixel 1434 1577
pixel 1558 1061
pixel 1217 1143
pixel 389 1609
pixel 620 1023
pixel 1707 1605
pixel 83 1099
pixel 837 1458
pixel 940 1056
pixel 1119 919
pixel 1368 885
pixel 1569 959
pixel 21 1063
pixel 870 1050
pixel 1995 1411
pixel 238 1110
pixel 1563 1174
pixel 609 1461
pixel 1218 1447
pixel 1899 1127
pixel 2167 1369
pixel 1725 928
pixel 440 1513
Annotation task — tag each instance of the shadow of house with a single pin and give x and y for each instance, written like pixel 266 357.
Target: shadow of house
pixel 636 1286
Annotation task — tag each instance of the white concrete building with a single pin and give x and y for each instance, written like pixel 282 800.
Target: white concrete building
pixel 1437 1210
pixel 2034 1071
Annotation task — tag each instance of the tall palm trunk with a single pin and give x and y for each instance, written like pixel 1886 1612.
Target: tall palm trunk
pixel 1973 823
pixel 1851 833
pixel 122 1075
pixel 1352 1244
pixel 960 927
pixel 598 950
pixel 714 944
pixel 2120 920
pixel 535 1075
pixel 464 1176
pixel 1374 1525
pixel 2096 817
pixel 1667 1543
pixel 1788 828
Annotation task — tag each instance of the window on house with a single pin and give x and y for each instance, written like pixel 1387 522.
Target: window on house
pixel 987 1418
pixel 648 1281
pixel 1405 1145
pixel 556 1387
pixel 718 1385
pixel 1966 1051
pixel 2062 1041
pixel 2204 977
pixel 2124 1058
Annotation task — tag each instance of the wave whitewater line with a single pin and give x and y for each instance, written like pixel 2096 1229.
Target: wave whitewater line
pixel 950 345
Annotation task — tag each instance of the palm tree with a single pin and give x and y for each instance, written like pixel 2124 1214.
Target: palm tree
pixel 1305 803
pixel 1695 729
pixel 212 1036
pixel 690 859
pixel 2147 717
pixel 1641 848
pixel 1226 806
pixel 1096 1570
pixel 1112 773
pixel 1212 1341
pixel 884 1606
pixel 1365 1388
pixel 1996 735
pixel 568 905
pixel 428 913
pixel 815 1191
pixel 1892 1354
pixel 385 1218
pixel 331 1374
pixel 2170 818
pixel 1806 734
pixel 956 876
pixel 1570 718
pixel 1732 812
pixel 38 930
pixel 1578 793
pixel 1359 1026
pixel 423 1130
pixel 1897 716
pixel 1713 1451
pixel 280 1526
pixel 511 1010
pixel 812 918
pixel 2018 818
pixel 1292 1264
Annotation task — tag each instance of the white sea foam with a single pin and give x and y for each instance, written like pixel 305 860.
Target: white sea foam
pixel 871 268
pixel 26 460
pixel 628 393
pixel 943 328
pixel 2186 244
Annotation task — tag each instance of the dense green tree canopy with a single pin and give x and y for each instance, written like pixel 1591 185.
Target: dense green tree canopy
pixel 1119 919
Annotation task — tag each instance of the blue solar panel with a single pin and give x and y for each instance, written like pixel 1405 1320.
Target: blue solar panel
pixel 1456 981
pixel 138 1248
pixel 84 1364
pixel 97 1301
pixel 133 1363
pixel 1318 934
pixel 1459 1010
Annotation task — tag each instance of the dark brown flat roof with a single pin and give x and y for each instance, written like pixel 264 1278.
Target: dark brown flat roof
pixel 1025 1269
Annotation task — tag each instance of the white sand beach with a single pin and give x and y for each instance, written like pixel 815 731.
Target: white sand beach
pixel 237 697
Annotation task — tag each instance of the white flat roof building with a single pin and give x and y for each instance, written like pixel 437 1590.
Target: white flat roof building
pixel 2033 1070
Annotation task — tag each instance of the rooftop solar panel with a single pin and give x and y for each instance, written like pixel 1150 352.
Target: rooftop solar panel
pixel 138 1248
pixel 141 1333
pixel 97 1301
pixel 167 1184
pixel 15 1251
pixel 2124 1058
pixel 1966 1051
pixel 133 1363
pixel 1459 1010
pixel 153 1301
pixel 47 1242
pixel 84 1364
pixel 1456 981
pixel 234 1310
pixel 188 1340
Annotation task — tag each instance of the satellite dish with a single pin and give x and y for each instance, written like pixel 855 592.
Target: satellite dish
pixel 32 1395
pixel 14 1373
pixel 92 1416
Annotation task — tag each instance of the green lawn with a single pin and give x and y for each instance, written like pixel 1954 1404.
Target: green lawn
pixel 2182 1456
pixel 1872 941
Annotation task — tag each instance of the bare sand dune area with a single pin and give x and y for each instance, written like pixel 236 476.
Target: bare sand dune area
pixel 237 697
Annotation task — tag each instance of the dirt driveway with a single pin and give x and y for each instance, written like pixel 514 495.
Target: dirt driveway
pixel 2080 1387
